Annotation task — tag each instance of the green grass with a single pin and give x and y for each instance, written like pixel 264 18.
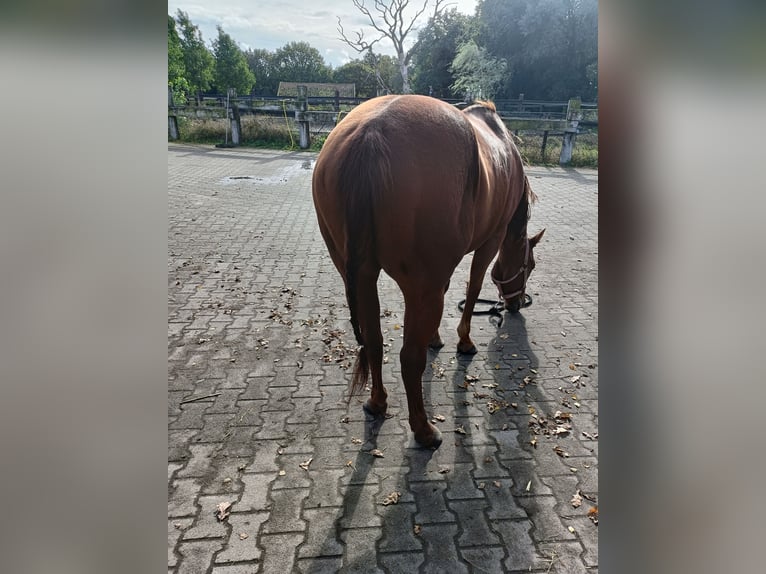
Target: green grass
pixel 273 133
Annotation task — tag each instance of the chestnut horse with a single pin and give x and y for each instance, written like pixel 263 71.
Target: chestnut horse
pixel 409 185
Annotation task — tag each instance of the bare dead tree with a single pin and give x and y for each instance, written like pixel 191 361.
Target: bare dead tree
pixel 389 21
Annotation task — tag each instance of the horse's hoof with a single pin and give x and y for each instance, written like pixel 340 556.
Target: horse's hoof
pixel 470 350
pixel 514 307
pixel 432 439
pixel 375 410
pixel 436 343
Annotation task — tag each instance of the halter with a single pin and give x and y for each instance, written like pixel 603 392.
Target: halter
pixel 522 271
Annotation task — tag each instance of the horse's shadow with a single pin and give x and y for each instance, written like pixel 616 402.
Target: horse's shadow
pixel 502 436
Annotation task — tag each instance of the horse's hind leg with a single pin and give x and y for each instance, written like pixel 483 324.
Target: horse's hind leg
pixel 482 257
pixel 369 323
pixel 436 341
pixel 422 314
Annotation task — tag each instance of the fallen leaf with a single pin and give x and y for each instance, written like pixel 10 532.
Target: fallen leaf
pixel 282 473
pixel 593 515
pixel 571 529
pixel 562 416
pixel 376 452
pixel 226 480
pixel 243 535
pixel 573 469
pixel 444 469
pixel 489 385
pixel 480 486
pixel 576 500
pixel 356 441
pixel 529 485
pixel 351 464
pixel 560 430
pixel 440 418
pixel 417 529
pixel 575 378
pixel 533 442
pixel 489 459
pixel 560 451
pixel 222 511
pixel 571 366
pixel 344 420
pixel 497 484
pixel 590 436
pixel 397 326
pixel 392 498
pixel 531 409
pixel 280 450
pixel 471 378
pixel 459 429
pixel 515 406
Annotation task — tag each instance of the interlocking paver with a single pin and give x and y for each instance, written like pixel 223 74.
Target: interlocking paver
pixel 258 324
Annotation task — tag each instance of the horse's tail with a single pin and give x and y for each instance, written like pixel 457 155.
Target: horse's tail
pixel 364 175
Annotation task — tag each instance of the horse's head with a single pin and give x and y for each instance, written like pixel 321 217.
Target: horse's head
pixel 514 264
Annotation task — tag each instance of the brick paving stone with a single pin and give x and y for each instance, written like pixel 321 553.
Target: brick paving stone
pixel 401 562
pixel 197 556
pixel 242 543
pixel 441 554
pixel 360 554
pixel 484 558
pixel 252 297
pixel 285 513
pixel 175 528
pixel 181 499
pixel 279 551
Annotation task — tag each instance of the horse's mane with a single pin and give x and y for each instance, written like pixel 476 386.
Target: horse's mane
pixel 487 104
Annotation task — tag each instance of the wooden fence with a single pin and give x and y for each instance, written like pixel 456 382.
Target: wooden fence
pixel 558 119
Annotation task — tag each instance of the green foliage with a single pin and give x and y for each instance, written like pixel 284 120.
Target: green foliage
pixel 176 70
pixel 359 73
pixel 550 46
pixel 432 55
pixel 476 73
pixel 261 63
pixel 299 62
pixel 231 69
pixel 198 61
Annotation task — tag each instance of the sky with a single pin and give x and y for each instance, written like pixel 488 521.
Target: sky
pixel 268 24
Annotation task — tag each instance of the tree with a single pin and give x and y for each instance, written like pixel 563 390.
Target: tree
pixel 231 69
pixel 261 64
pixel 477 74
pixel 550 45
pixel 176 70
pixel 299 62
pixel 436 48
pixel 198 62
pixel 359 73
pixel 391 23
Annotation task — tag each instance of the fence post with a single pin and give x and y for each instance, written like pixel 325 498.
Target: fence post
pixel 336 106
pixel 574 115
pixel 236 124
pixel 545 143
pixel 172 118
pixel 301 115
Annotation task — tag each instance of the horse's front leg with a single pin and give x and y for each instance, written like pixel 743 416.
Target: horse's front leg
pixel 482 257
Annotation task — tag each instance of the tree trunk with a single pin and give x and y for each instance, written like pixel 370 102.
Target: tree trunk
pixel 405 75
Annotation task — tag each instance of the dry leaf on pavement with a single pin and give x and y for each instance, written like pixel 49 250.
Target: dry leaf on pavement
pixel 305 465
pixel 392 498
pixel 222 511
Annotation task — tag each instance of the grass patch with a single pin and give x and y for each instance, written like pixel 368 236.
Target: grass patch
pixel 274 133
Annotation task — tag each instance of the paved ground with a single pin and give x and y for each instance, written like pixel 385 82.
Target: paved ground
pixel 259 344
